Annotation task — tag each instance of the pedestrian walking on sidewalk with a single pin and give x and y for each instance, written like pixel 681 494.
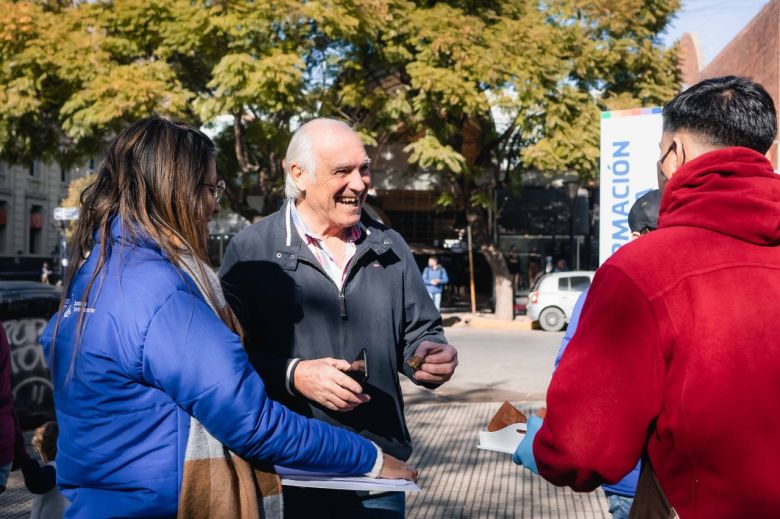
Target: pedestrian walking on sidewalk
pixel 45 272
pixel 435 277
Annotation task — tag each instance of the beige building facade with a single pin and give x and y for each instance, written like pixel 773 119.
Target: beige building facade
pixel 29 235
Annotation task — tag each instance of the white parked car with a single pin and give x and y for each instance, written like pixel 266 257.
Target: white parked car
pixel 554 295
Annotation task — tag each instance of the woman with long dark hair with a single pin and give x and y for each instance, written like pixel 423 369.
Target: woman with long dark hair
pixel 159 409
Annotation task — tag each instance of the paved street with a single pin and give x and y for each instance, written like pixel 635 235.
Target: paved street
pixel 495 365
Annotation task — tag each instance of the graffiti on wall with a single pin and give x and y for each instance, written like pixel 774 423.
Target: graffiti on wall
pixel 32 388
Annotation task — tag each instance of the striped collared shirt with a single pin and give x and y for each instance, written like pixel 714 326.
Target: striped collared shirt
pixel 316 245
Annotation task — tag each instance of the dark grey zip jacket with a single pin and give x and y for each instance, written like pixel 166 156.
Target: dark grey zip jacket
pixel 290 308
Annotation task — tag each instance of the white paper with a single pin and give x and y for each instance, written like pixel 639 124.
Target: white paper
pixel 303 478
pixel 503 440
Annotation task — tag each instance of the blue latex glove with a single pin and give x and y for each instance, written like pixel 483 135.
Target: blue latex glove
pixel 524 455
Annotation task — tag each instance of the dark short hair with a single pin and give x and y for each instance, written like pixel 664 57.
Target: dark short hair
pixel 726 111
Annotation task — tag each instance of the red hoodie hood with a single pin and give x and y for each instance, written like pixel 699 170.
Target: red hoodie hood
pixel 732 191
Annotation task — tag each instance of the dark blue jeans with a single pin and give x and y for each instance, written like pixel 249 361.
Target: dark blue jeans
pixel 315 503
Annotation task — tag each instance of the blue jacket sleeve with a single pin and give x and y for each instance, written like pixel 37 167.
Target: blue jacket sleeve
pixel 575 319
pixel 192 356
pixel 426 275
pixel 444 277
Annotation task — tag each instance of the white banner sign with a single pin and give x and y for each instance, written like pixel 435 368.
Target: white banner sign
pixel 629 152
pixel 66 213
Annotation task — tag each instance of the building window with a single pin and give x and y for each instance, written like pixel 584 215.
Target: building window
pixel 36 229
pixel 32 168
pixel 92 164
pixel 63 175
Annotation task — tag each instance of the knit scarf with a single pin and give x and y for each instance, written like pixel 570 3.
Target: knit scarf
pixel 217 483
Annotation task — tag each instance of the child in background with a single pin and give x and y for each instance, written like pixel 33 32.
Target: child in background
pixel 48 502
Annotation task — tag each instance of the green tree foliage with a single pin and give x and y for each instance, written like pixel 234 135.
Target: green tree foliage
pixel 482 90
pixel 477 90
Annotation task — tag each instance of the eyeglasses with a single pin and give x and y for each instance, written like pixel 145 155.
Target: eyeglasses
pixel 660 163
pixel 672 146
pixel 217 189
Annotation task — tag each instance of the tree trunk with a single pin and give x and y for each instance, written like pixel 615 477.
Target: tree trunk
pixel 239 200
pixel 502 279
pixel 502 282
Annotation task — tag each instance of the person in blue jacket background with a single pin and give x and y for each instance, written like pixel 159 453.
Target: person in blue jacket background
pixel 642 218
pixel 142 346
pixel 435 277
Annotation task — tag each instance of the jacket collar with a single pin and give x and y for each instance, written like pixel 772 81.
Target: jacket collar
pixel 289 247
pixel 124 233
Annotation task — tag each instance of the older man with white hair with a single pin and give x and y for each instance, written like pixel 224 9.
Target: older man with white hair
pixel 318 284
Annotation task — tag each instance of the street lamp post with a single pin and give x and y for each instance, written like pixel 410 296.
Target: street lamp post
pixel 571 185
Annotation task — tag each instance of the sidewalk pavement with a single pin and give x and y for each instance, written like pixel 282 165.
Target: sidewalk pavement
pixel 458 481
pixel 484 321
pixel 16 501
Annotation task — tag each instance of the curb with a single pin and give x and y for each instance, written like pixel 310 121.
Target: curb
pixel 484 322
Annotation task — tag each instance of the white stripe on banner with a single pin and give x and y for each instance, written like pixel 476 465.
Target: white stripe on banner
pixel 629 152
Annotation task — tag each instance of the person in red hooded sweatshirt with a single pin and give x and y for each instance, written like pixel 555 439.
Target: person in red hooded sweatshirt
pixel 677 352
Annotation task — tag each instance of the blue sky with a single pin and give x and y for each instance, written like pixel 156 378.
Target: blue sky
pixel 715 22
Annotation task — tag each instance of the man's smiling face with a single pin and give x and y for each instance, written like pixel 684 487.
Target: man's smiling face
pixel 336 194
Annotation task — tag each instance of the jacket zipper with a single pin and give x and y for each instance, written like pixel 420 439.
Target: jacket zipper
pixel 342 304
pixel 342 300
pixel 341 297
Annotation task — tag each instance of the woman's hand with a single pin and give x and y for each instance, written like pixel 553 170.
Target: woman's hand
pixel 394 468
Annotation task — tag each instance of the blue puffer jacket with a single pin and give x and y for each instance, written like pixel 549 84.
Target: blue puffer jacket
pixel 152 353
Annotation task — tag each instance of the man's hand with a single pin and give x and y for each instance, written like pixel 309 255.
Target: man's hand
pixel 439 362
pixel 323 381
pixel 434 282
pixel 394 468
